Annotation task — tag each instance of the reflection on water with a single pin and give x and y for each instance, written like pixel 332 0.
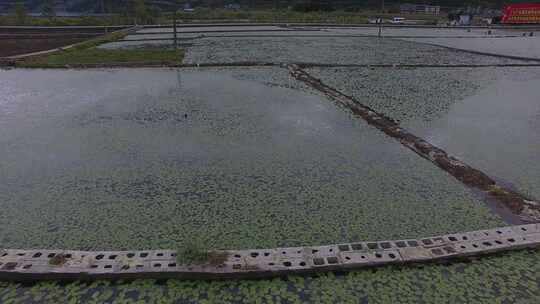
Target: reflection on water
pixel 527 47
pixel 238 158
pixel 497 131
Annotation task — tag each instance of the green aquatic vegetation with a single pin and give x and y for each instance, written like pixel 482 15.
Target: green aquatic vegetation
pixel 463 110
pixel 268 167
pixel 506 278
pixel 336 50
pixel 410 96
pixel 497 191
pixel 58 259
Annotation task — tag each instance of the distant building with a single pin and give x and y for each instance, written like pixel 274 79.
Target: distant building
pixel 409 8
pixel 232 6
pixel 465 19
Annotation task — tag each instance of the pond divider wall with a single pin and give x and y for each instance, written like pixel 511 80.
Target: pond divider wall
pixel 31 265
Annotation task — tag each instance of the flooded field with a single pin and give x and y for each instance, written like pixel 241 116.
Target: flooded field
pixel 430 32
pixel 250 158
pixel 411 96
pixel 340 50
pixel 331 50
pixel 498 130
pixel 314 45
pixel 487 117
pixel 243 154
pixel 528 47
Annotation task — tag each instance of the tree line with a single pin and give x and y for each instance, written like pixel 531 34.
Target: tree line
pixel 147 11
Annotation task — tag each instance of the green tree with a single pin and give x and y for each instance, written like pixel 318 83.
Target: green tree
pixel 141 12
pixel 47 9
pixel 20 13
pixel 155 13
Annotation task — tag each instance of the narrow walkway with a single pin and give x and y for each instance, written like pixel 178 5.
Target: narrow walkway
pixel 31 265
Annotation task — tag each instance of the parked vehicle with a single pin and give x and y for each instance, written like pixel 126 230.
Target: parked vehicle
pixel 397 20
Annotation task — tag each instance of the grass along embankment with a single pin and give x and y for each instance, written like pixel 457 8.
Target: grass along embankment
pixel 87 54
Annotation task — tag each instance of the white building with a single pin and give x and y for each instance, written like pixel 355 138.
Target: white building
pixel 409 8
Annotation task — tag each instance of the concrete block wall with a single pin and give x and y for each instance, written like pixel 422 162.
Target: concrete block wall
pixel 30 265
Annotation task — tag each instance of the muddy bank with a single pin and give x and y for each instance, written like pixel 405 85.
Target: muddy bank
pixel 17 46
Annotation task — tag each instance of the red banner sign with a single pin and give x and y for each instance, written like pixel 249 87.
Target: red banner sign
pixel 521 14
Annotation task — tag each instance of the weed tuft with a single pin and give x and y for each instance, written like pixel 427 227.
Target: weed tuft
pixel 58 259
pixel 195 253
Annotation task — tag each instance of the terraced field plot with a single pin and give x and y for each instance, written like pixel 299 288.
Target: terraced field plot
pixel 427 32
pixel 487 117
pixel 340 50
pixel 238 158
pixel 306 44
pixel 265 164
pixel 528 47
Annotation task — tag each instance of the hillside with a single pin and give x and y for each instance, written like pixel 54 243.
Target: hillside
pixel 110 6
pixel 68 6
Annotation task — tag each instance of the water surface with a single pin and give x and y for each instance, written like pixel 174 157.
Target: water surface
pixel 238 158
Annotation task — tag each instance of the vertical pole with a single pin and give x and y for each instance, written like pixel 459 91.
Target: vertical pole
pixel 381 19
pixel 174 30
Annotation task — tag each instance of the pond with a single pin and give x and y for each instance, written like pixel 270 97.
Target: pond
pixel 138 159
